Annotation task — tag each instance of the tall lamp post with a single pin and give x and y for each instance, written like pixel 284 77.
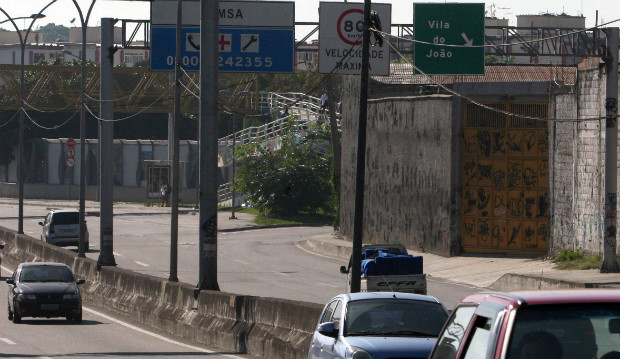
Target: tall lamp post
pixel 236 96
pixel 84 23
pixel 20 151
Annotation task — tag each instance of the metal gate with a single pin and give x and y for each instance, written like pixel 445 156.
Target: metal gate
pixel 505 202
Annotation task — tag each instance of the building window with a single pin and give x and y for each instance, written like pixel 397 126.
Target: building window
pixel 38 56
pixel 133 58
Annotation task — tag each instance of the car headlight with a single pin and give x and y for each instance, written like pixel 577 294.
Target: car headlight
pixel 26 296
pixel 71 296
pixel 359 353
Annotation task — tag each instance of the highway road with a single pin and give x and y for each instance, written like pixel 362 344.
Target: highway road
pixel 261 262
pixel 98 336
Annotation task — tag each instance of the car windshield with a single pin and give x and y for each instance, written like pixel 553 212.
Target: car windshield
pixel 394 317
pixel 46 274
pixel 61 218
pixel 569 331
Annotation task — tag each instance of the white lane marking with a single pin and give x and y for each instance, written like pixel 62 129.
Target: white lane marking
pixel 157 336
pixel 8 341
pixel 141 264
pixel 280 273
pixel 329 285
pixel 116 254
pixel 144 331
pixel 240 261
pixel 46 358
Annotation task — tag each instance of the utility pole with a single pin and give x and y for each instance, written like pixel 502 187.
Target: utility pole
pixel 610 263
pixel 358 219
pixel 174 200
pixel 209 23
pixel 106 145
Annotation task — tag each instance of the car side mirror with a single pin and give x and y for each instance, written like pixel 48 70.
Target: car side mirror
pixel 344 270
pixel 40 223
pixel 328 330
pixel 10 281
pixel 80 281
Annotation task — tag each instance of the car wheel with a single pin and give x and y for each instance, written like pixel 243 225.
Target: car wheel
pixel 78 318
pixel 10 313
pixel 17 318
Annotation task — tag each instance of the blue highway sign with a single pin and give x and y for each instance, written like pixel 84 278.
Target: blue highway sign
pixel 240 49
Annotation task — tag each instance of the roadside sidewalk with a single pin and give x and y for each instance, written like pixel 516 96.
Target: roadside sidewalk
pixel 497 272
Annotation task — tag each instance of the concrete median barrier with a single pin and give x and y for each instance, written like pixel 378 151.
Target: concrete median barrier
pixel 262 327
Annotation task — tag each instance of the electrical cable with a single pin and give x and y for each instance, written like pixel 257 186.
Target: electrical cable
pixel 495 45
pixel 50 128
pixel 52 111
pixel 10 119
pixel 489 107
pixel 130 116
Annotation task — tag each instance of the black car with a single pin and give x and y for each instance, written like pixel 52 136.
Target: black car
pixel 47 290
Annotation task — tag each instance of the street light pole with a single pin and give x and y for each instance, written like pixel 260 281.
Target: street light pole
pixel 20 151
pixel 84 23
pixel 236 97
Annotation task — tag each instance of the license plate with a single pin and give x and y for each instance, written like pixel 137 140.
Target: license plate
pixel 49 306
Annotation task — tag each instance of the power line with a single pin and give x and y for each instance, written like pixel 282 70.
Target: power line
pixel 10 119
pixel 50 128
pixel 494 45
pixel 130 116
pixel 489 107
pixel 52 111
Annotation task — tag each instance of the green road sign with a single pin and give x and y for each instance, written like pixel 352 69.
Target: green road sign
pixel 449 24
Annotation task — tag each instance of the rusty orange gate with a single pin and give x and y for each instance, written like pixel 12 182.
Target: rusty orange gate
pixel 505 202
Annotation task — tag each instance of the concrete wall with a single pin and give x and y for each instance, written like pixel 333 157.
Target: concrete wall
pixel 260 327
pixel 408 159
pixel 577 157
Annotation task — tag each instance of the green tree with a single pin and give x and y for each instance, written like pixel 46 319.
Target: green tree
pixel 52 32
pixel 292 180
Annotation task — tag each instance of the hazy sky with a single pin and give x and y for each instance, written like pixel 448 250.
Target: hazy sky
pixel 63 11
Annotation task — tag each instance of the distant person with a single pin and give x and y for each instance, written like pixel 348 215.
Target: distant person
pixel 323 102
pixel 165 194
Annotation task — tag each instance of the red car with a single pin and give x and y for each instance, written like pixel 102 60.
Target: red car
pixel 557 324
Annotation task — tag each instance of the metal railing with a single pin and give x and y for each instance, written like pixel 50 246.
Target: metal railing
pixel 304 109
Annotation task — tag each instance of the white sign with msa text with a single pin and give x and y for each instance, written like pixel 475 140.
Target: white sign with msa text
pixel 340 39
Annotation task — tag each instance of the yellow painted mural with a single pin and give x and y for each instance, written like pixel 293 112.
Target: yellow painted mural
pixel 505 204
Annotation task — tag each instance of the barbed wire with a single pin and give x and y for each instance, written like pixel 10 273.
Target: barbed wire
pixel 52 111
pixel 493 45
pixel 487 107
pixel 50 128
pixel 10 119
pixel 133 115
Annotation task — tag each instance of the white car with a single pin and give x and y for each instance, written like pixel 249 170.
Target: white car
pixel 62 228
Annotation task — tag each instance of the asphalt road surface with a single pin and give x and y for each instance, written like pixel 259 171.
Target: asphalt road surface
pixel 98 336
pixel 261 262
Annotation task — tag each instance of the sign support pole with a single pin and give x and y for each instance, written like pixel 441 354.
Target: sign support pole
pixel 610 263
pixel 209 21
pixel 358 220
pixel 106 145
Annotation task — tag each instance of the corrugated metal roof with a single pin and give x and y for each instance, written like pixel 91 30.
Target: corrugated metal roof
pixel 403 74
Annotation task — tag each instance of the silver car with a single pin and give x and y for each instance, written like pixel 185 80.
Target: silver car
pixel 378 325
pixel 62 228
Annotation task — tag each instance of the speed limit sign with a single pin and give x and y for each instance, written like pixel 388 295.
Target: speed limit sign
pixel 341 26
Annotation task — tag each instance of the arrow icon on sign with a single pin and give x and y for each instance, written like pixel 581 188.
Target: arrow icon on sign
pixel 468 42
